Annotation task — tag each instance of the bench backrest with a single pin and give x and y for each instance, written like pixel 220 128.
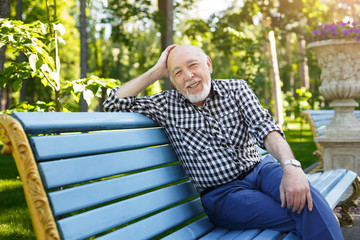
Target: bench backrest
pixel 115 176
pixel 322 118
pixel 102 171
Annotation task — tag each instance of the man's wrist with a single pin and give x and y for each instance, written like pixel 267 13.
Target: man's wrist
pixel 292 162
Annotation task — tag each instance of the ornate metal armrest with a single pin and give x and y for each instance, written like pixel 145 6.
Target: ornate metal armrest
pixel 346 219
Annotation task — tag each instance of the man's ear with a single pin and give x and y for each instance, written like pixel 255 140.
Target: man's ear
pixel 209 64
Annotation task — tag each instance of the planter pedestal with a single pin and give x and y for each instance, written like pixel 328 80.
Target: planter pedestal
pixel 340 64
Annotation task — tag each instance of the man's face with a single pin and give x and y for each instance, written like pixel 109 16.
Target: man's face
pixel 190 70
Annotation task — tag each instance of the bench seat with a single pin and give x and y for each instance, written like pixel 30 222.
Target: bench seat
pixel 115 176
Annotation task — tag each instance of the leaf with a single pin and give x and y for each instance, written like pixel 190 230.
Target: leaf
pixel 44 82
pixel 61 40
pixel 32 61
pixel 60 28
pixel 88 96
pixel 17 85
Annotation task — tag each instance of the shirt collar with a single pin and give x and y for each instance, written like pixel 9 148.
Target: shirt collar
pixel 215 90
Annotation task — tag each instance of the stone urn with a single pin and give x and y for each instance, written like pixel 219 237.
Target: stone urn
pixel 339 60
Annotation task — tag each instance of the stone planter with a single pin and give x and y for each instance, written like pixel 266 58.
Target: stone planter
pixel 340 64
pixel 339 60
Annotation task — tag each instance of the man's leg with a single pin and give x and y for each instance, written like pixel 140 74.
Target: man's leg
pixel 254 202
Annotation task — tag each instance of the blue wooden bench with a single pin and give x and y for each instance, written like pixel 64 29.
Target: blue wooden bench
pixel 318 120
pixel 115 176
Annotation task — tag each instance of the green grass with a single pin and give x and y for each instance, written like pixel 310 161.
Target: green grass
pixel 298 135
pixel 15 220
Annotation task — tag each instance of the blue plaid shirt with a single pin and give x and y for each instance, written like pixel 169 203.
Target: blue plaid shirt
pixel 215 143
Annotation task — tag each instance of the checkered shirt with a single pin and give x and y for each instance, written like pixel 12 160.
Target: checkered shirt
pixel 215 143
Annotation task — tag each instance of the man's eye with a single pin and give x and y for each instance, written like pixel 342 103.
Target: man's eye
pixel 177 73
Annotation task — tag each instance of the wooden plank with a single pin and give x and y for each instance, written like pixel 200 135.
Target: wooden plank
pixel 290 236
pixel 113 215
pixel 157 224
pixel 248 234
pixel 328 182
pixel 73 145
pixel 192 231
pixel 75 170
pixel 337 192
pixel 59 122
pixel 320 176
pixel 231 235
pixel 76 198
pixel 268 235
pixel 215 234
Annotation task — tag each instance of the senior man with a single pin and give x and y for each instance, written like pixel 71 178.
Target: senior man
pixel 212 125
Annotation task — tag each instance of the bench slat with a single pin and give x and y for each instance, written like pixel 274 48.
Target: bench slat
pixel 268 235
pixel 328 182
pixel 248 234
pixel 290 236
pixel 335 195
pixel 158 223
pixel 59 122
pixel 71 145
pixel 113 215
pixel 319 176
pixel 65 172
pixel 192 231
pixel 99 192
pixel 231 235
pixel 215 234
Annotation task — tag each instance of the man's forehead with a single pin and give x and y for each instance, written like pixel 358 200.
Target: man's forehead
pixel 179 57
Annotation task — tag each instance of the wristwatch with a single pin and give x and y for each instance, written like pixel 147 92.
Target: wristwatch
pixel 293 162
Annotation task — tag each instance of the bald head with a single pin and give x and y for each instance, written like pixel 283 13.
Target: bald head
pixel 181 52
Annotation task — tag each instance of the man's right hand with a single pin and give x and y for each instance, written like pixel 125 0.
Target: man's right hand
pixel 161 65
pixel 138 84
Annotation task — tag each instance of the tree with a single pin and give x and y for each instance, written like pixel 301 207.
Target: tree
pixel 166 28
pixel 83 51
pixel 4 13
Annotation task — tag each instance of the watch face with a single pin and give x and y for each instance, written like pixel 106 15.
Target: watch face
pixel 296 163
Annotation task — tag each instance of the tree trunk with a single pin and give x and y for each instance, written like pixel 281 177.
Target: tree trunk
pixel 22 57
pixel 275 80
pixel 4 13
pixel 83 51
pixel 290 63
pixel 303 67
pixel 166 22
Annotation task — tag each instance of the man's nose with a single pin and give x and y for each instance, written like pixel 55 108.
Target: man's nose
pixel 188 74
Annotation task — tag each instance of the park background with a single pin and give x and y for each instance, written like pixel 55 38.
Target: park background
pixel 64 56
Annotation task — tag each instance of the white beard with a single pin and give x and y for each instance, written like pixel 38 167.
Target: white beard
pixel 199 97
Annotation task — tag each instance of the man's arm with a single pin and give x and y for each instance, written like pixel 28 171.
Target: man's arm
pixel 294 187
pixel 137 85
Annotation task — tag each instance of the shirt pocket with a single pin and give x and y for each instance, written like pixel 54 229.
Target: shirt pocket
pixel 193 133
pixel 234 127
pixel 230 118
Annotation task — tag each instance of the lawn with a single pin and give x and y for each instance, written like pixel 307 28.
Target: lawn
pixel 15 221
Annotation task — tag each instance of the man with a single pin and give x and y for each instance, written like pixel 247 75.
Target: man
pixel 212 125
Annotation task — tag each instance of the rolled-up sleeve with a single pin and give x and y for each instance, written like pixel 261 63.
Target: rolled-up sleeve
pixel 259 121
pixel 115 104
pixel 153 106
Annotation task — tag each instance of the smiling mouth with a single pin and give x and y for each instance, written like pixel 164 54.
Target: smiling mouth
pixel 192 84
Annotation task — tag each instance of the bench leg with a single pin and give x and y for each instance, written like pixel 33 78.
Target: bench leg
pixel 346 219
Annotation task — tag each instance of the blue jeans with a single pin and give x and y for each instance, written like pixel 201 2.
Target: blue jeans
pixel 254 202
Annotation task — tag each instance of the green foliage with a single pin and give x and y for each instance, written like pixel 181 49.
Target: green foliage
pixel 294 105
pixel 39 106
pixel 32 40
pixel 90 87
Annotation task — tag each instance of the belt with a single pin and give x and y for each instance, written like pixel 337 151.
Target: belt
pixel 241 177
